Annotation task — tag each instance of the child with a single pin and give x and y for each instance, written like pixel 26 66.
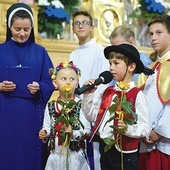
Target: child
pixel 124 61
pixel 155 148
pixel 65 79
pixel 125 35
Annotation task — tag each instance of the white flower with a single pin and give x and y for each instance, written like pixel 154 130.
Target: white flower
pixel 57 4
pixel 43 2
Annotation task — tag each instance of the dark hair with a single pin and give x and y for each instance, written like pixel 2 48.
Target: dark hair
pixel 21 14
pixel 163 19
pixel 85 13
pixel 120 56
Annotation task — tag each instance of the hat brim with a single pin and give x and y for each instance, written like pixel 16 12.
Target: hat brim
pixel 133 57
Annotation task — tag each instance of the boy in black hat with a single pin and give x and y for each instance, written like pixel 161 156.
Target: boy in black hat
pixel 121 114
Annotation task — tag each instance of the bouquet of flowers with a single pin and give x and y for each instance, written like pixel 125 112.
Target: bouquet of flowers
pixel 123 111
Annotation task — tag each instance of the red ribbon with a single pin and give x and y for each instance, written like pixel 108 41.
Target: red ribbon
pixel 57 128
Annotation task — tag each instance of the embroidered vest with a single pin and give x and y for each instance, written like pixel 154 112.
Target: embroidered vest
pixel 127 143
pixel 74 145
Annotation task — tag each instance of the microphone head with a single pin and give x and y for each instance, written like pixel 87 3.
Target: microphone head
pixel 106 76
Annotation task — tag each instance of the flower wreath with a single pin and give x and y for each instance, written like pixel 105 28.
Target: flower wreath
pixel 53 71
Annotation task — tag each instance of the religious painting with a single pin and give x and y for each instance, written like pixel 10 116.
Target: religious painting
pixel 107 22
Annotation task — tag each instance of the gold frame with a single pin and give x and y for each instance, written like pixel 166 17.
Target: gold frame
pixel 98 9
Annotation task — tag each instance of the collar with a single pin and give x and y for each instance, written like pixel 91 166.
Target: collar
pixel 87 44
pixel 160 58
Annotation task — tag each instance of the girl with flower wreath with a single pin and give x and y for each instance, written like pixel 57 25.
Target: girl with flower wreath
pixel 65 127
pixel 120 113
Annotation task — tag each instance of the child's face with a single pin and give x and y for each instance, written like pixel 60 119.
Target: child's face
pixel 120 71
pixel 159 38
pixel 66 76
pixel 82 31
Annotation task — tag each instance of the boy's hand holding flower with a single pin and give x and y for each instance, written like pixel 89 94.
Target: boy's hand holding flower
pixel 122 125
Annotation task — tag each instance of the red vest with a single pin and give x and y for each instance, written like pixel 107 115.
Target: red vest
pixel 127 143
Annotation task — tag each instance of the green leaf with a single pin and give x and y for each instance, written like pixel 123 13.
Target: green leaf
pixel 113 108
pixel 112 118
pixel 72 120
pixel 115 128
pixel 107 148
pixel 62 103
pixel 118 130
pixel 63 137
pixel 115 100
pixel 71 104
pixel 62 119
pixel 127 107
pixel 121 131
pixel 129 121
pixel 111 126
pixel 124 98
pixel 109 141
pixel 135 116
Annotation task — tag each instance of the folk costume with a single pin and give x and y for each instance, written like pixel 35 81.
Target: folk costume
pixel 77 155
pixel 156 87
pixel 21 113
pixel 97 111
pixel 137 130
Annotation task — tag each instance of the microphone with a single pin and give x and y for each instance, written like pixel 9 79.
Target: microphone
pixel 105 77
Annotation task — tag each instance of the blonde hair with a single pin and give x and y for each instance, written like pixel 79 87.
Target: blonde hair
pixel 124 31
